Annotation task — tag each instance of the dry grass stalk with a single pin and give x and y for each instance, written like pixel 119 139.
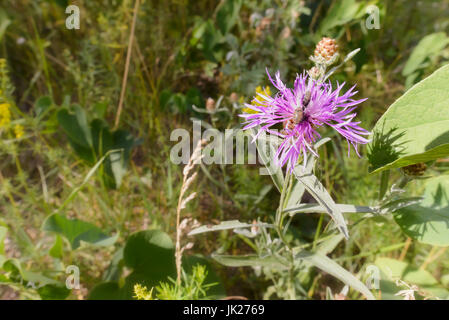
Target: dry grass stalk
pixel 188 178
pixel 128 60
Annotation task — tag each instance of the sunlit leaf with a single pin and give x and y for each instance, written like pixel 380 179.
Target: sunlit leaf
pixel 421 118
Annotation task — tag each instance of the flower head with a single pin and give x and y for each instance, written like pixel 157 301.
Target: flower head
pixel 18 131
pixel 259 99
pixel 301 110
pixel 5 114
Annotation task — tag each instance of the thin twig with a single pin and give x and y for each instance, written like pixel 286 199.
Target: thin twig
pixel 128 60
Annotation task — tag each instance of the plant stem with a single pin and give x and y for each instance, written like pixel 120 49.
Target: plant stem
pixel 280 215
pixel 128 60
pixel 384 177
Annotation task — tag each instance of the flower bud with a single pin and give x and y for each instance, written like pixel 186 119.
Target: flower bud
pixel 314 73
pixel 327 50
pixel 210 104
pixel 234 97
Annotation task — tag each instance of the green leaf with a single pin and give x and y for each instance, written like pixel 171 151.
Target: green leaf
pixel 316 208
pixel 53 292
pixel 151 256
pixel 56 250
pixel 215 292
pixel 75 126
pixel 123 141
pixel 267 156
pixel 226 225
pixel 75 231
pixel 107 291
pixel 42 105
pixel 3 232
pixel 227 14
pixel 421 119
pixel 331 267
pixel 295 196
pixel 115 267
pixel 151 251
pixel 392 270
pixel 341 13
pixel 250 261
pixel 317 191
pixel 17 274
pixel 429 46
pixel 428 222
pixel 4 24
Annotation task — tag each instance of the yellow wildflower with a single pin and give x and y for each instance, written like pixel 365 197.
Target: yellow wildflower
pixel 259 90
pixel 142 293
pixel 5 114
pixel 18 131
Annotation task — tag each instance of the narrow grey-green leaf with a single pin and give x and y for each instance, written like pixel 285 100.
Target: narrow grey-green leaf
pixel 269 160
pixel 250 261
pixel 331 267
pixel 226 225
pixel 317 190
pixel 316 208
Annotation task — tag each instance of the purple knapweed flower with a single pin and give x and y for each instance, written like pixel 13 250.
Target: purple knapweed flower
pixel 301 111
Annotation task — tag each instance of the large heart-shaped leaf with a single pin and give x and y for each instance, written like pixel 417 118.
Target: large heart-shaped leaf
pixel 428 222
pixel 151 256
pixel 392 270
pixel 75 231
pixel 150 251
pixel 420 122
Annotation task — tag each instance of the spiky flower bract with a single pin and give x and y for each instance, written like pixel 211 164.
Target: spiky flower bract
pixel 302 110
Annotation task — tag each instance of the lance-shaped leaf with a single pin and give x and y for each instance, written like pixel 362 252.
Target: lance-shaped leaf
pixel 317 190
pixel 251 261
pixel 344 208
pixel 227 225
pixel 331 267
pixel 298 188
pixel 267 152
